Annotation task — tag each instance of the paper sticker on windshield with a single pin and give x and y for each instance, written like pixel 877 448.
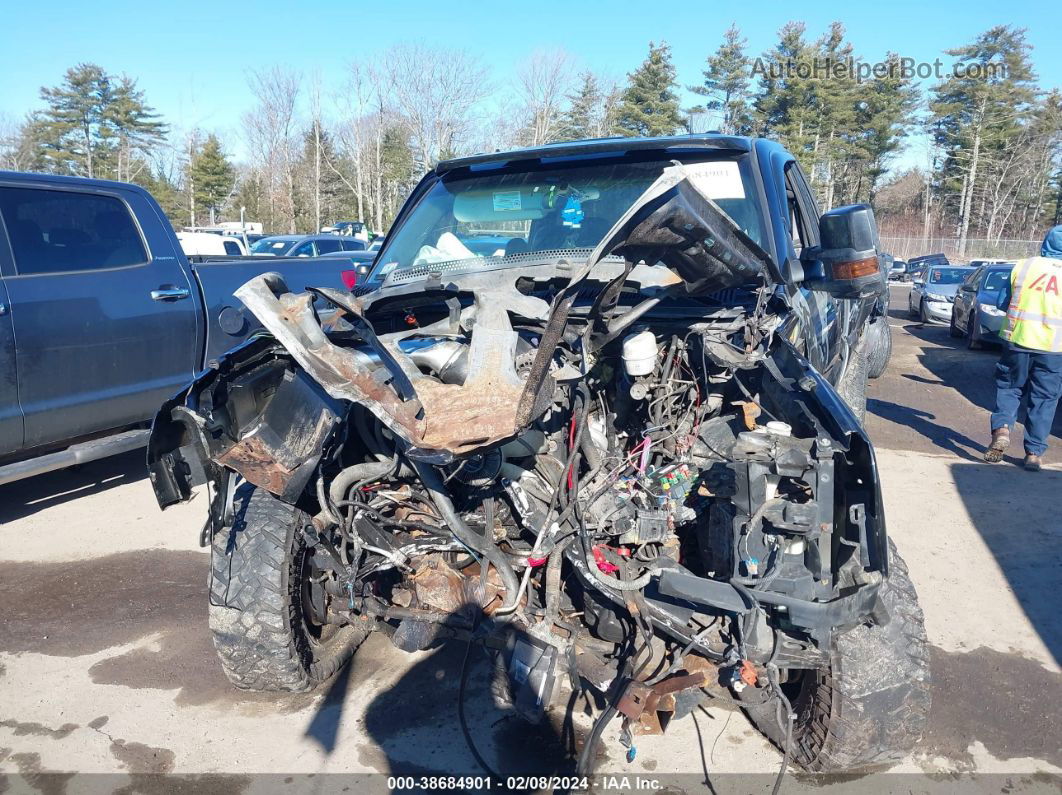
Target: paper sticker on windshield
pixel 506 201
pixel 720 180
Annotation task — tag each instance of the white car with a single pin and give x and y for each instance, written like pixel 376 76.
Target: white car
pixel 207 243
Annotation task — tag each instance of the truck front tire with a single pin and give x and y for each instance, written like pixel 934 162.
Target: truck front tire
pixel 870 708
pixel 266 630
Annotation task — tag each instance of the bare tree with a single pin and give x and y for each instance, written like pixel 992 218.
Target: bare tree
pixel 18 145
pixel 191 144
pixel 544 80
pixel 270 129
pixel 436 91
pixel 317 135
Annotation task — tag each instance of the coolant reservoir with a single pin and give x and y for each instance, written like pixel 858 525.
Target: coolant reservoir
pixel 779 428
pixel 639 353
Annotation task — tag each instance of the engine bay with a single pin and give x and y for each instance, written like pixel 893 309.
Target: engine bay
pixel 618 472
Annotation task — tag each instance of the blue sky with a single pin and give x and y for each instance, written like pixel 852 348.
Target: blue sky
pixel 192 58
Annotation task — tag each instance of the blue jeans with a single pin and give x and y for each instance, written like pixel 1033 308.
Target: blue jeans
pixel 1023 372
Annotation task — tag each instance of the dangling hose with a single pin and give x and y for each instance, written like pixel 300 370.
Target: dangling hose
pixel 431 480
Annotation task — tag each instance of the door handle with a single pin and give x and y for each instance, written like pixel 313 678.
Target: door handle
pixel 170 294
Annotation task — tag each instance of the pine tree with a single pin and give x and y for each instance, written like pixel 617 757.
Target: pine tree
pixel 72 127
pixel 831 153
pixel 784 105
pixel 726 84
pixel 165 192
pixel 329 189
pixel 650 105
pixel 581 120
pixel 212 177
pixel 883 112
pixel 95 125
pixel 979 112
pixel 133 126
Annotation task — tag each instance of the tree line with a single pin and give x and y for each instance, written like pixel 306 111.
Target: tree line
pixel 993 168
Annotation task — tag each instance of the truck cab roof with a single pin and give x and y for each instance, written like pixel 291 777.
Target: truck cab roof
pixel 605 147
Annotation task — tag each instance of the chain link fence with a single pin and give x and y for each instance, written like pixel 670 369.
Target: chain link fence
pixel 976 248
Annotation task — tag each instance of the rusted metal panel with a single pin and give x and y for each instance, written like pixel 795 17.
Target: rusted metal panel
pixel 649 707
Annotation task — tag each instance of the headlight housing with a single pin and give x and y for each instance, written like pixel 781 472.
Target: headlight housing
pixel 992 310
pixel 940 299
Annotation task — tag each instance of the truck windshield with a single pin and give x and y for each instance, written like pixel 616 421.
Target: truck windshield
pixel 482 219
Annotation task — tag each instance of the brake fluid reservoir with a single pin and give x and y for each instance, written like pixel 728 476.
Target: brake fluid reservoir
pixel 639 353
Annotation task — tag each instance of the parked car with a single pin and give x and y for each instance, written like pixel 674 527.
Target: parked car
pixel 305 245
pixel 933 292
pixel 207 243
pixel 916 266
pixel 102 315
pixel 355 229
pixel 898 270
pixel 926 260
pixel 656 344
pixel 914 270
pixel 974 313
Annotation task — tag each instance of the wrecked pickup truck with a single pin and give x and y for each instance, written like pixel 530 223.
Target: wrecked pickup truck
pixel 626 445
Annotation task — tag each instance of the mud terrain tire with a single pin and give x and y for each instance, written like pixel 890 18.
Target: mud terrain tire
pixel 853 384
pixel 872 705
pixel 257 618
pixel 880 347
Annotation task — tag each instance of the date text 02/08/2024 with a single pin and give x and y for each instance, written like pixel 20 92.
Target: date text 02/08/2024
pixel 529 783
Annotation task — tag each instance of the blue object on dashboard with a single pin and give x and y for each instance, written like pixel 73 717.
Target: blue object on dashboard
pixel 572 214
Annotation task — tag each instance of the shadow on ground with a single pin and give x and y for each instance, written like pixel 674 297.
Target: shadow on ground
pixel 1028 553
pixel 936 394
pixel 25 497
pixel 415 724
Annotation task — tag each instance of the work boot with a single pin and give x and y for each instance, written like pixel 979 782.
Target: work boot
pixel 1000 442
pixel 1032 462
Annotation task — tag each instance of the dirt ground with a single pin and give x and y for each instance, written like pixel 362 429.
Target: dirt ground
pixel 107 669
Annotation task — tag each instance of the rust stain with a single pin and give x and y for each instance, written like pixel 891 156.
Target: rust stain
pixel 257 464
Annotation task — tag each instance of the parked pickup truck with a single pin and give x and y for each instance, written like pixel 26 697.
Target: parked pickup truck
pixel 103 317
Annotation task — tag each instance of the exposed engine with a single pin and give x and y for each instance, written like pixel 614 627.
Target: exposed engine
pixel 656 499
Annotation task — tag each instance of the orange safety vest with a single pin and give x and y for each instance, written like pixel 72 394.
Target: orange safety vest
pixel 1034 317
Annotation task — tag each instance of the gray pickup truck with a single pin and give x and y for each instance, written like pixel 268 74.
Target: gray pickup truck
pixel 103 317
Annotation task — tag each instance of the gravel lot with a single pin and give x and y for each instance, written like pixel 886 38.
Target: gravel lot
pixel 106 665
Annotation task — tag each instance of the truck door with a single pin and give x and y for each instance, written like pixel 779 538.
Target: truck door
pixel 824 326
pixel 102 308
pixel 10 412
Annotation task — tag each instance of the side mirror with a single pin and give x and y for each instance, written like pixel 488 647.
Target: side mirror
pixel 846 262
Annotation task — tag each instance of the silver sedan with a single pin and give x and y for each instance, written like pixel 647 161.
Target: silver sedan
pixel 933 292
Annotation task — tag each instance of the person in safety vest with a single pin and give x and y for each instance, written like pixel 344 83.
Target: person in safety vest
pixel 1031 364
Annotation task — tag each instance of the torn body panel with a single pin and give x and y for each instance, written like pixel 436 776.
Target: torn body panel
pixel 581 453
